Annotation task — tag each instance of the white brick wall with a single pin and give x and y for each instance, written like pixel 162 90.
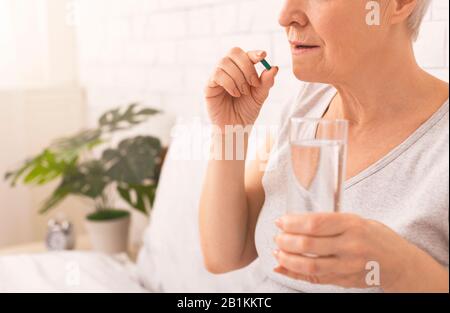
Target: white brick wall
pixel 160 52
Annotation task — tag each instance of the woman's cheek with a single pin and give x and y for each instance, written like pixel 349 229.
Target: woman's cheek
pixel 344 37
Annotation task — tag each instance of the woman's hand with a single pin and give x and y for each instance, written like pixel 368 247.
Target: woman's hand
pixel 235 93
pixel 347 250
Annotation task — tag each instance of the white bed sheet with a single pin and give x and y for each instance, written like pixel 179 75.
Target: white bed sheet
pixel 68 272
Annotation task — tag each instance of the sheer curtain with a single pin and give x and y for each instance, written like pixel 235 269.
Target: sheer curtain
pixel 23 43
pixel 39 101
pixel 37 45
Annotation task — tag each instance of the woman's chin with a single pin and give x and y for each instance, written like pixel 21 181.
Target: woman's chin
pixel 307 75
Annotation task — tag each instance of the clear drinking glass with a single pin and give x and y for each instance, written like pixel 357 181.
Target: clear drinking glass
pixel 318 155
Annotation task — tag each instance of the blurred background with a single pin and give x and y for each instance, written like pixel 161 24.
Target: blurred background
pixel 64 62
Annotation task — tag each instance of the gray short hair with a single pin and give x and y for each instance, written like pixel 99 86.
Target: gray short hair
pixel 416 18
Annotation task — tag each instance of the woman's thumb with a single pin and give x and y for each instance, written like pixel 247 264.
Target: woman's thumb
pixel 268 78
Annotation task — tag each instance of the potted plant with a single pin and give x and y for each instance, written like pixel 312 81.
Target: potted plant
pixel 87 166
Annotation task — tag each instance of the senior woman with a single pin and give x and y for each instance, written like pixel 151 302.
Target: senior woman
pixel 395 218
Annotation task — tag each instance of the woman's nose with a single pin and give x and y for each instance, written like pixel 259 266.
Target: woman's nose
pixel 293 11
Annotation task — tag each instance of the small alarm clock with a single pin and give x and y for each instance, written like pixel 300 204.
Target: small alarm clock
pixel 60 235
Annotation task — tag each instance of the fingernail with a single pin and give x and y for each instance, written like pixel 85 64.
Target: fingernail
pixel 261 53
pixel 276 253
pixel 255 81
pixel 245 89
pixel 279 223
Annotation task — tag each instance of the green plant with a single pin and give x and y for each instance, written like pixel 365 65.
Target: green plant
pixel 132 168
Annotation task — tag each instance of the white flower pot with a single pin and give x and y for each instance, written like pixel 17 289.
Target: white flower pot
pixel 110 236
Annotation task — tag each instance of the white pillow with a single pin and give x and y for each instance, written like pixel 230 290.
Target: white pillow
pixel 171 260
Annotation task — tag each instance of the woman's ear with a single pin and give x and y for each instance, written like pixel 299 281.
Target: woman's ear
pixel 402 10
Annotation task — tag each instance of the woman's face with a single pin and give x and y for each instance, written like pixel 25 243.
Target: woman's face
pixel 330 39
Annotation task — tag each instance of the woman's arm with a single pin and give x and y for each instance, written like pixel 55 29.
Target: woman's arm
pixel 231 200
pixel 232 197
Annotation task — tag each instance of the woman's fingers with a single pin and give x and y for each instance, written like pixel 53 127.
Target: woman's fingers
pixel 236 74
pixel 346 281
pixel 315 266
pixel 317 224
pixel 256 56
pixel 232 69
pixel 268 78
pixel 221 79
pixel 313 279
pixel 246 61
pixel 300 244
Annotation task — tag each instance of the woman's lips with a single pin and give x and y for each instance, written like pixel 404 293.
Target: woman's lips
pixel 299 48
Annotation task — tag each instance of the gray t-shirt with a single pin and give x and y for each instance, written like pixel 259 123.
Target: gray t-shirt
pixel 407 190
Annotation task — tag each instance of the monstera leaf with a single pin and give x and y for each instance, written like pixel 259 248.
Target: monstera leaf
pixel 134 161
pixel 86 139
pixel 87 179
pixel 133 166
pixel 54 161
pixel 117 120
pixel 138 196
pixel 42 169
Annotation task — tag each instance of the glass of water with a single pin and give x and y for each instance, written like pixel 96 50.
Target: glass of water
pixel 318 155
